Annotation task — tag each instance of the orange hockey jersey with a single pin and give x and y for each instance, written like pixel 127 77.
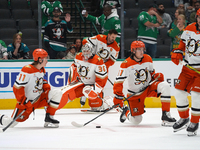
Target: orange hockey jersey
pixel 91 71
pixel 138 74
pixel 109 53
pixel 29 83
pixel 190 44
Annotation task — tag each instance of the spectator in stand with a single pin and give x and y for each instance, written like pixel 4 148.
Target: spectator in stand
pixel 71 52
pixel 55 33
pixel 177 13
pixel 167 20
pixel 113 3
pixel 178 3
pixel 193 14
pixel 189 8
pixel 148 22
pixel 3 50
pixel 181 6
pixel 108 20
pixel 47 7
pixel 78 43
pixel 17 49
pixel 61 55
pixel 176 32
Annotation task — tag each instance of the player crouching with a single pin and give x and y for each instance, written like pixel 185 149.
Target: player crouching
pixel 32 91
pixel 142 82
pixel 88 76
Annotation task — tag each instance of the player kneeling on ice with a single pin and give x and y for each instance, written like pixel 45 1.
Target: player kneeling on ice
pixel 32 91
pixel 88 76
pixel 142 82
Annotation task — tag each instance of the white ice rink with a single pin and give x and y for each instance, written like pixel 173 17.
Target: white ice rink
pixel 112 135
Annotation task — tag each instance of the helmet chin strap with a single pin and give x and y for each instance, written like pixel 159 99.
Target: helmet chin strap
pixel 133 54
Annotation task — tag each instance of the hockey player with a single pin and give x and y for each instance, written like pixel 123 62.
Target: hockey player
pixel 105 47
pixel 189 80
pixel 139 71
pixel 32 91
pixel 87 78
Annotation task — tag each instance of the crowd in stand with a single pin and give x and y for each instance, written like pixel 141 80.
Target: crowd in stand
pixel 171 23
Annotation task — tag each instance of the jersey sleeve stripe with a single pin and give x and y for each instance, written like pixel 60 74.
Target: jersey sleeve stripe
pixel 21 83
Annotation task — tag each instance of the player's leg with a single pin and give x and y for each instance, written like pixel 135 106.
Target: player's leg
pixel 58 98
pixel 163 89
pixel 195 108
pixel 135 110
pixel 182 86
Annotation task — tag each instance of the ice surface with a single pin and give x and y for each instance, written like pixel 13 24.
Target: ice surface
pixel 112 135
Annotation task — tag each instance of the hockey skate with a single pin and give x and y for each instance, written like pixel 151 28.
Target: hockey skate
pixel 50 122
pixel 83 100
pixel 192 129
pixel 123 114
pixel 167 120
pixel 180 124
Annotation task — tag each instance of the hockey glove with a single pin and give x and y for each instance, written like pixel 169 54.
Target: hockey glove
pixel 28 107
pixel 118 100
pixel 176 57
pixel 159 76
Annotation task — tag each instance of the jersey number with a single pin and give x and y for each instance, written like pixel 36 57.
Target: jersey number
pixel 22 76
pixel 102 69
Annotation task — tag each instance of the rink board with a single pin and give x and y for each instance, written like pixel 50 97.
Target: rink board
pixel 149 103
pixel 57 75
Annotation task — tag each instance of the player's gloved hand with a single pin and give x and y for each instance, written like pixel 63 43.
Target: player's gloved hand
pixel 118 101
pixel 159 76
pixel 176 57
pixel 28 107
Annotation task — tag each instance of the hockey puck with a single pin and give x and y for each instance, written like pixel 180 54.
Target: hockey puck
pixel 98 126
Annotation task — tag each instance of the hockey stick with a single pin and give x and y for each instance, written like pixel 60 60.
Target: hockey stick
pixel 188 66
pixel 156 79
pixel 110 81
pixel 5 128
pixel 82 125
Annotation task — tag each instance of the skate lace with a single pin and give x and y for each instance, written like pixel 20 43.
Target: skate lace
pixel 180 121
pixel 192 125
pixel 168 114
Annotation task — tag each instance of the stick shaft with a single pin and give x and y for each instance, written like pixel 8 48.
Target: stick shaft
pixel 5 128
pixel 101 114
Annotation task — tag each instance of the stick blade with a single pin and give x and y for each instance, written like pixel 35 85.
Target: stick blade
pixel 77 124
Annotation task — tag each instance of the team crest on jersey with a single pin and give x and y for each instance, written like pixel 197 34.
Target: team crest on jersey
pixel 135 110
pixel 83 71
pixel 38 84
pixel 192 46
pixel 141 76
pixel 58 33
pixel 103 53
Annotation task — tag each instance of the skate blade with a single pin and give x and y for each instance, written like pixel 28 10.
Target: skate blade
pixel 183 127
pixel 192 133
pixel 51 125
pixel 167 124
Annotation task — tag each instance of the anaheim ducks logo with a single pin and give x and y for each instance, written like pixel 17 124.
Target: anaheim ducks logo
pixel 103 53
pixel 192 46
pixel 83 71
pixel 141 76
pixel 39 84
